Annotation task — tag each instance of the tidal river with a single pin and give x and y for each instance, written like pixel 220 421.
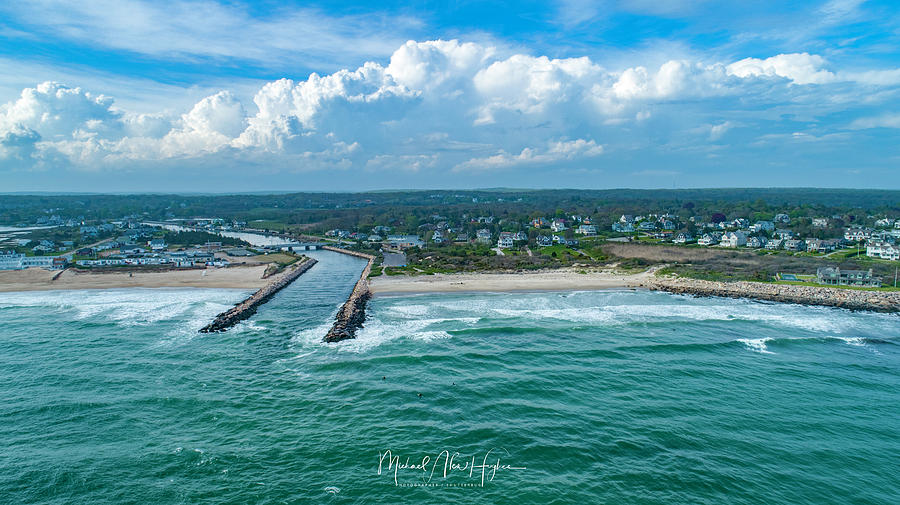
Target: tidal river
pixel 619 397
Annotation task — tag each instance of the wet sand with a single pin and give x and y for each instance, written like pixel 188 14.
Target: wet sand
pixel 545 280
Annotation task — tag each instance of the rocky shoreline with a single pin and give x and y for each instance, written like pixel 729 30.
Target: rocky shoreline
pixel 854 299
pixel 353 313
pixel 248 307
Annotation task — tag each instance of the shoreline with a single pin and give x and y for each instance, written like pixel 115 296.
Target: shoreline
pixel 851 299
pixel 500 282
pixel 34 279
pixel 250 277
pixel 574 280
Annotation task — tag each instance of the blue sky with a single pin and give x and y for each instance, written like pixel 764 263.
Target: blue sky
pixel 131 95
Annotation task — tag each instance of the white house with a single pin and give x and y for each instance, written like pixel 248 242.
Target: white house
pixel 708 239
pixel 734 239
pixel 883 250
pixel 558 225
pixel 506 240
pixel 586 229
pixel 820 222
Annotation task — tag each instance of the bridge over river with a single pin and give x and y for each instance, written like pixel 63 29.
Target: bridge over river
pixel 297 246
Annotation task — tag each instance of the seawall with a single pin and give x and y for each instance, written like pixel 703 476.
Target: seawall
pixel 352 314
pixel 248 307
pixel 854 299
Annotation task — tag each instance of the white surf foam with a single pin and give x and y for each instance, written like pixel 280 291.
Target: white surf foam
pixel 756 344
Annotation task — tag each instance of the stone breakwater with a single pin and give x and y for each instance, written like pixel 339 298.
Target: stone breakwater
pixel 248 307
pixel 854 299
pixel 353 313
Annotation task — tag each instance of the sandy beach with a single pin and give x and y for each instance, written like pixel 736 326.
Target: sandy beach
pixel 546 280
pixel 35 279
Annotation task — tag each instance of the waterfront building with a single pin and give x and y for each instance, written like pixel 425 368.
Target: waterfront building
pixel 683 238
pixel 883 250
pixel 835 276
pixel 734 239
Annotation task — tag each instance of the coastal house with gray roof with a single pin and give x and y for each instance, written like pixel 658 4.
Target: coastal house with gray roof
pixel 835 276
pixel 796 245
pixel 774 244
pixel 756 242
pixel 683 238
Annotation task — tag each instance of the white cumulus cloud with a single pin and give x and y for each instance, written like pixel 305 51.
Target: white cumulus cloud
pixel 554 152
pixel 799 68
pixel 435 106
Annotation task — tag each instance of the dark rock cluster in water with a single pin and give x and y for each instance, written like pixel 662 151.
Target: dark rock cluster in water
pixel 248 307
pixel 353 313
pixel 854 299
pixel 350 318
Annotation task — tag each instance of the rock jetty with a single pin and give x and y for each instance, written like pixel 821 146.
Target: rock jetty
pixel 353 313
pixel 248 307
pixel 854 299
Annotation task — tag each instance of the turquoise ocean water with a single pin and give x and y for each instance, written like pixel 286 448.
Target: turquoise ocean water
pixel 113 397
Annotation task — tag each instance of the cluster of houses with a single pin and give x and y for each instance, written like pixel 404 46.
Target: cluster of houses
pixel 740 232
pixel 628 223
pixel 880 243
pixel 767 234
pixel 152 252
pixel 180 259
pixel 49 246
pixel 11 260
